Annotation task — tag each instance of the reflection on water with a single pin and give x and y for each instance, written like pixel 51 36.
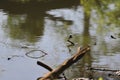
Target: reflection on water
pixel 21 27
pixel 39 26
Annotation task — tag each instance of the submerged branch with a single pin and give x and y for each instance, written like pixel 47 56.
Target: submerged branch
pixel 98 69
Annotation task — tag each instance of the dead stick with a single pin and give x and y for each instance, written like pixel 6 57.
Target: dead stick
pixel 44 65
pixel 56 72
pixel 91 68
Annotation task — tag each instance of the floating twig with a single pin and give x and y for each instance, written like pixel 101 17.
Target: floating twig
pixel 71 43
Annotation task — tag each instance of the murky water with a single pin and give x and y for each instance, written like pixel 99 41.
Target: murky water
pixel 36 28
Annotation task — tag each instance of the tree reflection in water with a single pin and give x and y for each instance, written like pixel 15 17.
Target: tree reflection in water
pixel 28 21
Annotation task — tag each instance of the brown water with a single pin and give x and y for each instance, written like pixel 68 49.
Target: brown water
pixel 32 27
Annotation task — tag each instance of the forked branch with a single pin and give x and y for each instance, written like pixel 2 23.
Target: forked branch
pixel 67 63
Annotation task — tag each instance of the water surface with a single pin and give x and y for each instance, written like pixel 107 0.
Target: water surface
pixel 25 27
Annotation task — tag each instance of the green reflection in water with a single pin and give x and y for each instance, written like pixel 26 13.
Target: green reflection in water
pixel 105 17
pixel 107 10
pixel 26 21
pixel 26 27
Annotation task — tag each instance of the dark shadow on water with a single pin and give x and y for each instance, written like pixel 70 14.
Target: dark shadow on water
pixel 35 7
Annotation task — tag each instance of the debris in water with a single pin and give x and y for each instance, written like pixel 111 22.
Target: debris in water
pixel 112 37
pixel 12 56
pixel 36 54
